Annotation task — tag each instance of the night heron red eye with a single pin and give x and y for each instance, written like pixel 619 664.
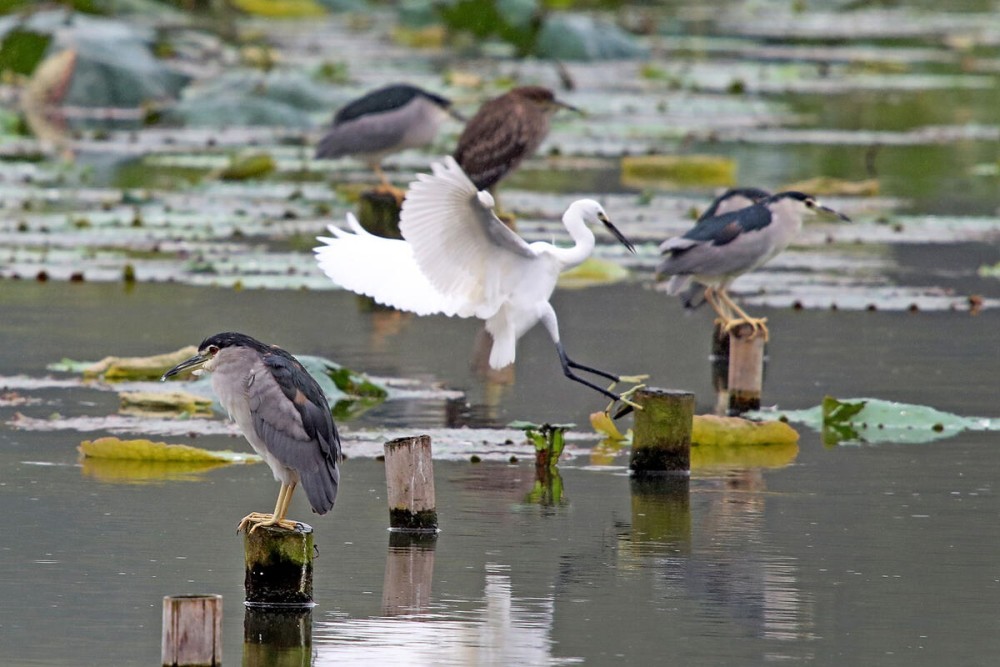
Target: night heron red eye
pixel 213 350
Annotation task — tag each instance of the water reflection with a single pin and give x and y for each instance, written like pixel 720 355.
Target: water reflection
pixel 277 636
pixel 721 563
pixel 501 630
pixel 409 572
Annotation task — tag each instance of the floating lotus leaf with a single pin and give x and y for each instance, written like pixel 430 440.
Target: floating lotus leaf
pixel 872 420
pixel 147 450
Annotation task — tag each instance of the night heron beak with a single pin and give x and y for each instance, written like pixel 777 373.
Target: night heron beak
pixel 828 212
pixel 569 107
pixel 193 362
pixel 457 116
pixel 617 234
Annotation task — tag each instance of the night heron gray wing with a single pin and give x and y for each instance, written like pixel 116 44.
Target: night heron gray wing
pixel 293 418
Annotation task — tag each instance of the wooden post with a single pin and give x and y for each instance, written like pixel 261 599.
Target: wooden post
pixel 192 630
pixel 662 434
pixel 409 478
pixel 278 566
pixel 378 213
pixel 746 369
pixel 409 572
pixel 277 636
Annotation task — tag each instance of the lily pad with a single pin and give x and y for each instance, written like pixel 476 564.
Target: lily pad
pixel 159 402
pixel 872 420
pixel 639 170
pixel 147 450
pixel 569 36
pixel 714 431
pixel 126 368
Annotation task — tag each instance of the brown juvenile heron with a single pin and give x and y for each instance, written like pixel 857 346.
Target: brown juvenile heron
pixel 283 414
pixel 719 249
pixel 505 131
pixel 385 121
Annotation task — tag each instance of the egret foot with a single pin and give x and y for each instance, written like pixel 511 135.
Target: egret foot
pixel 256 519
pixel 626 398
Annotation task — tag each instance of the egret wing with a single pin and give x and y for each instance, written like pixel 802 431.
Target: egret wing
pixel 381 268
pixel 459 244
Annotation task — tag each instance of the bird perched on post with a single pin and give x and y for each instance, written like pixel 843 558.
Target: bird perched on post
pixel 458 258
pixel 385 121
pixel 732 199
pixel 506 130
pixel 283 414
pixel 719 249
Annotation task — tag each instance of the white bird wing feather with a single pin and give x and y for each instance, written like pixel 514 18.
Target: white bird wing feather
pixel 460 245
pixel 381 268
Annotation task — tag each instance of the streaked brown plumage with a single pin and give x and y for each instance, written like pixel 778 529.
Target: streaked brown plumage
pixel 505 131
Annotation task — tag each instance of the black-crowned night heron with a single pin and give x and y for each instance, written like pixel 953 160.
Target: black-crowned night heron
pixel 458 258
pixel 719 249
pixel 282 413
pixel 385 121
pixel 731 200
pixel 505 131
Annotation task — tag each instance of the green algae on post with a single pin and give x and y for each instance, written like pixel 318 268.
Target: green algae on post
pixel 279 567
pixel 662 432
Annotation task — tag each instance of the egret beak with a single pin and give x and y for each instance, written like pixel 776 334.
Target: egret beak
pixel 617 234
pixel 193 362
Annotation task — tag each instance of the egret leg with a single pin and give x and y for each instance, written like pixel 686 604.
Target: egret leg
pixel 756 323
pixel 568 365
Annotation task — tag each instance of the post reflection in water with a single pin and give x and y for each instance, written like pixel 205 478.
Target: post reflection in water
pixel 409 572
pixel 277 636
pixel 500 630
pixel 717 560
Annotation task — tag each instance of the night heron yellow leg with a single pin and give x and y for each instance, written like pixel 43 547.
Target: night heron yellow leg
pixel 756 323
pixel 257 519
pixel 725 315
pixel 386 187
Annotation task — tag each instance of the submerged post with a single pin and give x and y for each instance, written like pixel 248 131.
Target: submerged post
pixel 278 566
pixel 662 432
pixel 409 478
pixel 378 213
pixel 192 630
pixel 746 369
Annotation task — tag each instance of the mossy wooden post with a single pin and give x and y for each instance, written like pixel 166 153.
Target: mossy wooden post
pixel 409 478
pixel 277 636
pixel 661 441
pixel 378 213
pixel 278 566
pixel 192 630
pixel 746 369
pixel 409 571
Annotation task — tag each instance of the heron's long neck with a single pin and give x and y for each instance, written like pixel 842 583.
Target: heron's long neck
pixel 583 246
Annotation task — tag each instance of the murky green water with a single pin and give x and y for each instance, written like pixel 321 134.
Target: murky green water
pixel 843 555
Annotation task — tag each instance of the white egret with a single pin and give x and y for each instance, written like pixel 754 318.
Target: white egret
pixel 458 258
